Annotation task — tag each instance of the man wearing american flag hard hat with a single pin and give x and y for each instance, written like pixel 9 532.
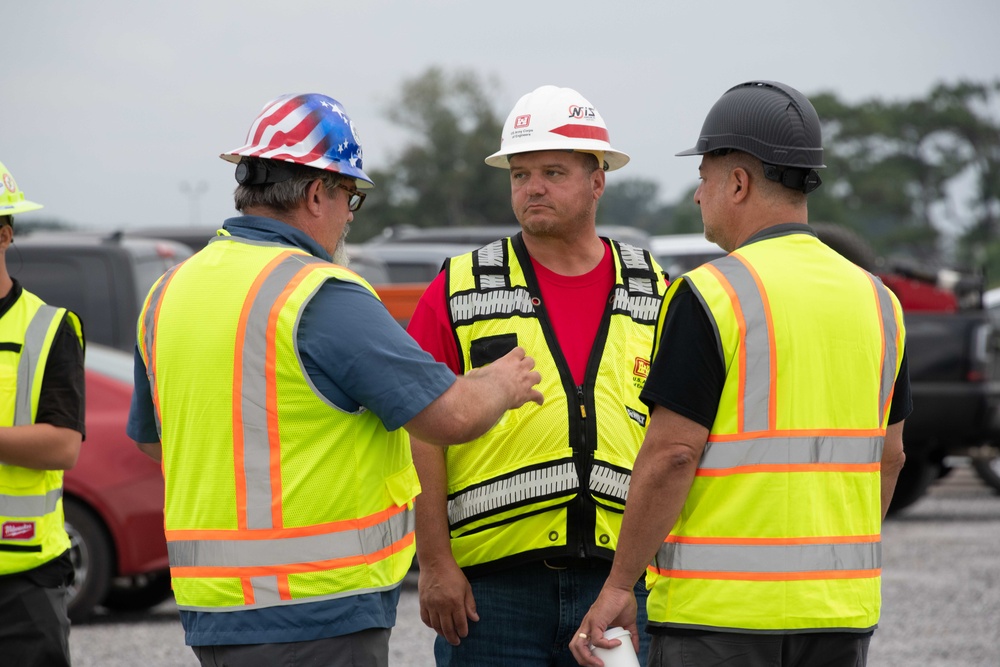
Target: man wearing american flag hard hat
pixel 273 386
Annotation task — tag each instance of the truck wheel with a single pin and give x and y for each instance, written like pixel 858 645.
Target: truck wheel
pixel 987 466
pixel 846 242
pixel 138 593
pixel 90 551
pixel 914 480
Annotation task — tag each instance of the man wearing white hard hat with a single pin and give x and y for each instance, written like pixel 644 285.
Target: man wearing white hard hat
pixel 41 429
pixel 273 385
pixel 516 531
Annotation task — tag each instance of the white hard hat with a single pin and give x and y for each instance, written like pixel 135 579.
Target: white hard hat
pixel 555 119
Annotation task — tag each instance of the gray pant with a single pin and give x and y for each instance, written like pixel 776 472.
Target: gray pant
pixel 702 649
pixel 368 648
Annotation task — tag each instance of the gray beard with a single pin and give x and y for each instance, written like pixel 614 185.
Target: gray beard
pixel 340 252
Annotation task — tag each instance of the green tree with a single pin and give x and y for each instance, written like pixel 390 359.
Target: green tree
pixel 892 165
pixel 439 179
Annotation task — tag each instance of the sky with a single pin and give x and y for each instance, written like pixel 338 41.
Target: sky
pixel 114 112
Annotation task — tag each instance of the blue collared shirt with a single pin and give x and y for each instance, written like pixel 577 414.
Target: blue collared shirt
pixel 343 335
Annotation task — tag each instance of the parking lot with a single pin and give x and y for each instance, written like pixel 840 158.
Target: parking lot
pixel 941 589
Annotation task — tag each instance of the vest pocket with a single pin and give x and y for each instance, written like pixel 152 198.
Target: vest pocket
pixel 488 349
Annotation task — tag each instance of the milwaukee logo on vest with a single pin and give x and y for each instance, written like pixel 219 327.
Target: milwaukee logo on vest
pixel 18 530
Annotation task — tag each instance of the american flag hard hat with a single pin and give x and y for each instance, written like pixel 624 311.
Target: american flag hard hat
pixel 307 129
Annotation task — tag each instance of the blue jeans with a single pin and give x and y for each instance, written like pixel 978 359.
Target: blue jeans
pixel 528 615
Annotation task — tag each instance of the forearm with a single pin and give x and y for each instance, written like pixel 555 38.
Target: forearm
pixel 151 449
pixel 477 400
pixel 892 462
pixel 40 446
pixel 431 506
pixel 661 479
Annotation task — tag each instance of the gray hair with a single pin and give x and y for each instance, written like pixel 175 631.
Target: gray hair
pixel 285 195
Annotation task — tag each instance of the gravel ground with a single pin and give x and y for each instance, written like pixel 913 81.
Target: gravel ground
pixel 941 590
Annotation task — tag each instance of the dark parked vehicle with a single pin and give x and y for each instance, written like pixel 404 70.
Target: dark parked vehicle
pixel 952 351
pixel 113 500
pixel 103 278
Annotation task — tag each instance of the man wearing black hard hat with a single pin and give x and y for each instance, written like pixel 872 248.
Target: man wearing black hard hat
pixel 778 394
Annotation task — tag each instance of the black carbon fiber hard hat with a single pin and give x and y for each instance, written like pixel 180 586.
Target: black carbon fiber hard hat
pixel 771 121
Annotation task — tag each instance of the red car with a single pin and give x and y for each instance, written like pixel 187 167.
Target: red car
pixel 113 499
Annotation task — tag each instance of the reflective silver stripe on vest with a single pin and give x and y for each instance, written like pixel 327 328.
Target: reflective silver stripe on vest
pixel 30 506
pixel 609 482
pixel 776 558
pixel 891 330
pixel 515 490
pixel 491 255
pixel 288 550
pixel 27 367
pixel 149 325
pixel 757 380
pixel 253 393
pixel 642 309
pixel 472 306
pixel 637 298
pixel 792 451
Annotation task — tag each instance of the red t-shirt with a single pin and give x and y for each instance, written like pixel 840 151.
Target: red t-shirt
pixel 574 304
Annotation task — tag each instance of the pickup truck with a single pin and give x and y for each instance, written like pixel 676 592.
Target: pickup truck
pixel 952 351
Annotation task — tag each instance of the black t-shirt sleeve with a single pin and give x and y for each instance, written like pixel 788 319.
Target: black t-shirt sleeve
pixel 902 399
pixel 688 373
pixel 62 399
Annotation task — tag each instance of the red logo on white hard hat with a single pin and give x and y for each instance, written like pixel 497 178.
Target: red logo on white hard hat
pixel 8 182
pixel 18 530
pixel 522 121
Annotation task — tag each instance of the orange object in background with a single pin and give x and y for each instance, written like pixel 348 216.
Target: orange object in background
pixel 400 299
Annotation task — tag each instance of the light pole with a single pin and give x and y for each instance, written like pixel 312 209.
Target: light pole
pixel 194 193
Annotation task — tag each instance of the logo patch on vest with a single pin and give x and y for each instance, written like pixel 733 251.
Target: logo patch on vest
pixel 636 416
pixel 640 369
pixel 18 530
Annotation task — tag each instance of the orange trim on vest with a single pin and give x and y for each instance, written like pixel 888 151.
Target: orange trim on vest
pixel 790 467
pixel 286 533
pixel 774 541
pixel 769 576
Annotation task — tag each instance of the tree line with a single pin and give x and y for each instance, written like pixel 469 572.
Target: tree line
pixel 917 178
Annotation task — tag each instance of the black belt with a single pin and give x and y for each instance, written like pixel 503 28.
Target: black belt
pixel 570 563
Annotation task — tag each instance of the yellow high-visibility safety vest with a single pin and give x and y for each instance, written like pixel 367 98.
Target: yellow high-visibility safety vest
pixel 548 480
pixel 274 496
pixel 781 528
pixel 32 530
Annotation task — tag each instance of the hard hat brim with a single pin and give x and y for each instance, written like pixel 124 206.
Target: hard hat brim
pixel 615 159
pixel 20 207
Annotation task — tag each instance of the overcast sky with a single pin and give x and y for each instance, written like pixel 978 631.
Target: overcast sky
pixel 115 111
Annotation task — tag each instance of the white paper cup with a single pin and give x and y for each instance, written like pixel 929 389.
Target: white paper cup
pixel 619 656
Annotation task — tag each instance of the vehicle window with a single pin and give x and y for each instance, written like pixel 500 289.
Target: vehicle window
pixel 79 282
pixel 111 362
pixel 147 271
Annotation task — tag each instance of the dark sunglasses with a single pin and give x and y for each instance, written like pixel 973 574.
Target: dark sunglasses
pixel 357 197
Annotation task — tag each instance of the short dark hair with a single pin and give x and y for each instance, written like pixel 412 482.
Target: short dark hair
pixel 7 220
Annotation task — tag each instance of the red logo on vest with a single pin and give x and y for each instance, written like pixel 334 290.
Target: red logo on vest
pixel 641 367
pixel 18 530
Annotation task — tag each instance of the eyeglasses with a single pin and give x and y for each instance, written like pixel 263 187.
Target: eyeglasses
pixel 357 197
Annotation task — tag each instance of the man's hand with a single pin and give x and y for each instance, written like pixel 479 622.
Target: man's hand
pixel 446 601
pixel 514 376
pixel 613 607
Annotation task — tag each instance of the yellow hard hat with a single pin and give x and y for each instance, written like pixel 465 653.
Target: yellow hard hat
pixel 12 200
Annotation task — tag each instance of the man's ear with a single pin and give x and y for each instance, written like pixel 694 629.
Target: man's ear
pixel 314 201
pixel 739 181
